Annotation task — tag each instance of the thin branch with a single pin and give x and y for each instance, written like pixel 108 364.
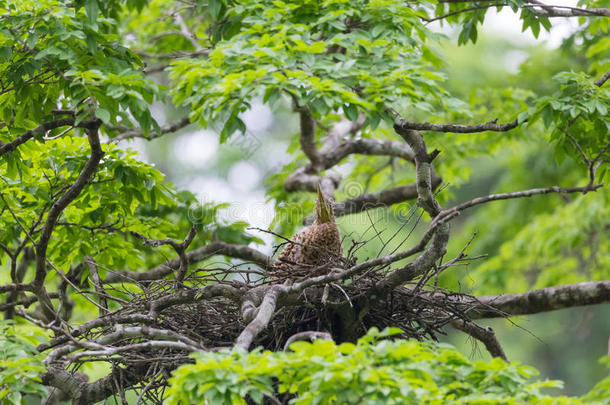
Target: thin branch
pixel 196 255
pixel 464 10
pixel 173 55
pixel 97 284
pixel 27 135
pixel 520 194
pixel 484 335
pixel 128 132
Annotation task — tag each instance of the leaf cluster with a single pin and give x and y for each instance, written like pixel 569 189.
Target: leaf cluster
pixel 376 370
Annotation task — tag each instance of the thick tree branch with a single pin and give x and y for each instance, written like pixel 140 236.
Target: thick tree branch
pixel 425 199
pixel 84 393
pixel 307 139
pixel 261 320
pixel 193 295
pixel 86 174
pixel 403 125
pixel 566 11
pixel 543 300
pixel 310 335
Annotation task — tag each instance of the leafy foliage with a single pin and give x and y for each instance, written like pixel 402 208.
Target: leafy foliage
pixel 20 365
pixel 356 56
pixel 373 371
pixel 70 58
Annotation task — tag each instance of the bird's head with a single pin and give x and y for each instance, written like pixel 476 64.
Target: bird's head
pixel 324 209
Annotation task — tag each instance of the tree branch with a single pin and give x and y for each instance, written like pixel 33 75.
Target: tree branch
pixel 86 174
pixel 179 248
pixel 484 335
pixel 310 335
pixel 543 300
pixel 128 132
pixel 196 255
pixel 403 125
pixel 425 199
pixel 520 194
pixel 600 82
pixel 261 320
pixel 307 139
pixel 27 135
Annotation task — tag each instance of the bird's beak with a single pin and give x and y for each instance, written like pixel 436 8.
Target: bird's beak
pixel 323 207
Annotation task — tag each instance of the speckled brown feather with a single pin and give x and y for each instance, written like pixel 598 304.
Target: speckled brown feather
pixel 313 246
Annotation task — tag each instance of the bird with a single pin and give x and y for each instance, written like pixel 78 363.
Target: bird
pixel 306 253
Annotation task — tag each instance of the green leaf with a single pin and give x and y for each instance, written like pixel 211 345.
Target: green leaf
pixel 92 8
pixel 351 112
pixel 216 9
pixel 5 53
pixel 103 114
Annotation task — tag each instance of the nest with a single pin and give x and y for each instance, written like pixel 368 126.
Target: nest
pixel 419 309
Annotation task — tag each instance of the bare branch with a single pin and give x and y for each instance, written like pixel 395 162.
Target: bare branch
pixel 173 55
pixel 128 132
pixel 85 393
pixel 178 247
pixel 384 198
pixel 196 255
pixel 195 294
pixel 438 245
pixel 261 320
pixel 403 125
pixel 600 82
pixel 307 139
pixel 97 284
pixel 543 300
pixel 485 335
pixel 184 30
pixel 566 11
pixel 520 194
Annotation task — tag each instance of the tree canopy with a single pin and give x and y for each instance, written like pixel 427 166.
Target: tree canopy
pixel 115 283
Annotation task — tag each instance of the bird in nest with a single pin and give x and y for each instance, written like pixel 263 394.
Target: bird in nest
pixel 312 248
